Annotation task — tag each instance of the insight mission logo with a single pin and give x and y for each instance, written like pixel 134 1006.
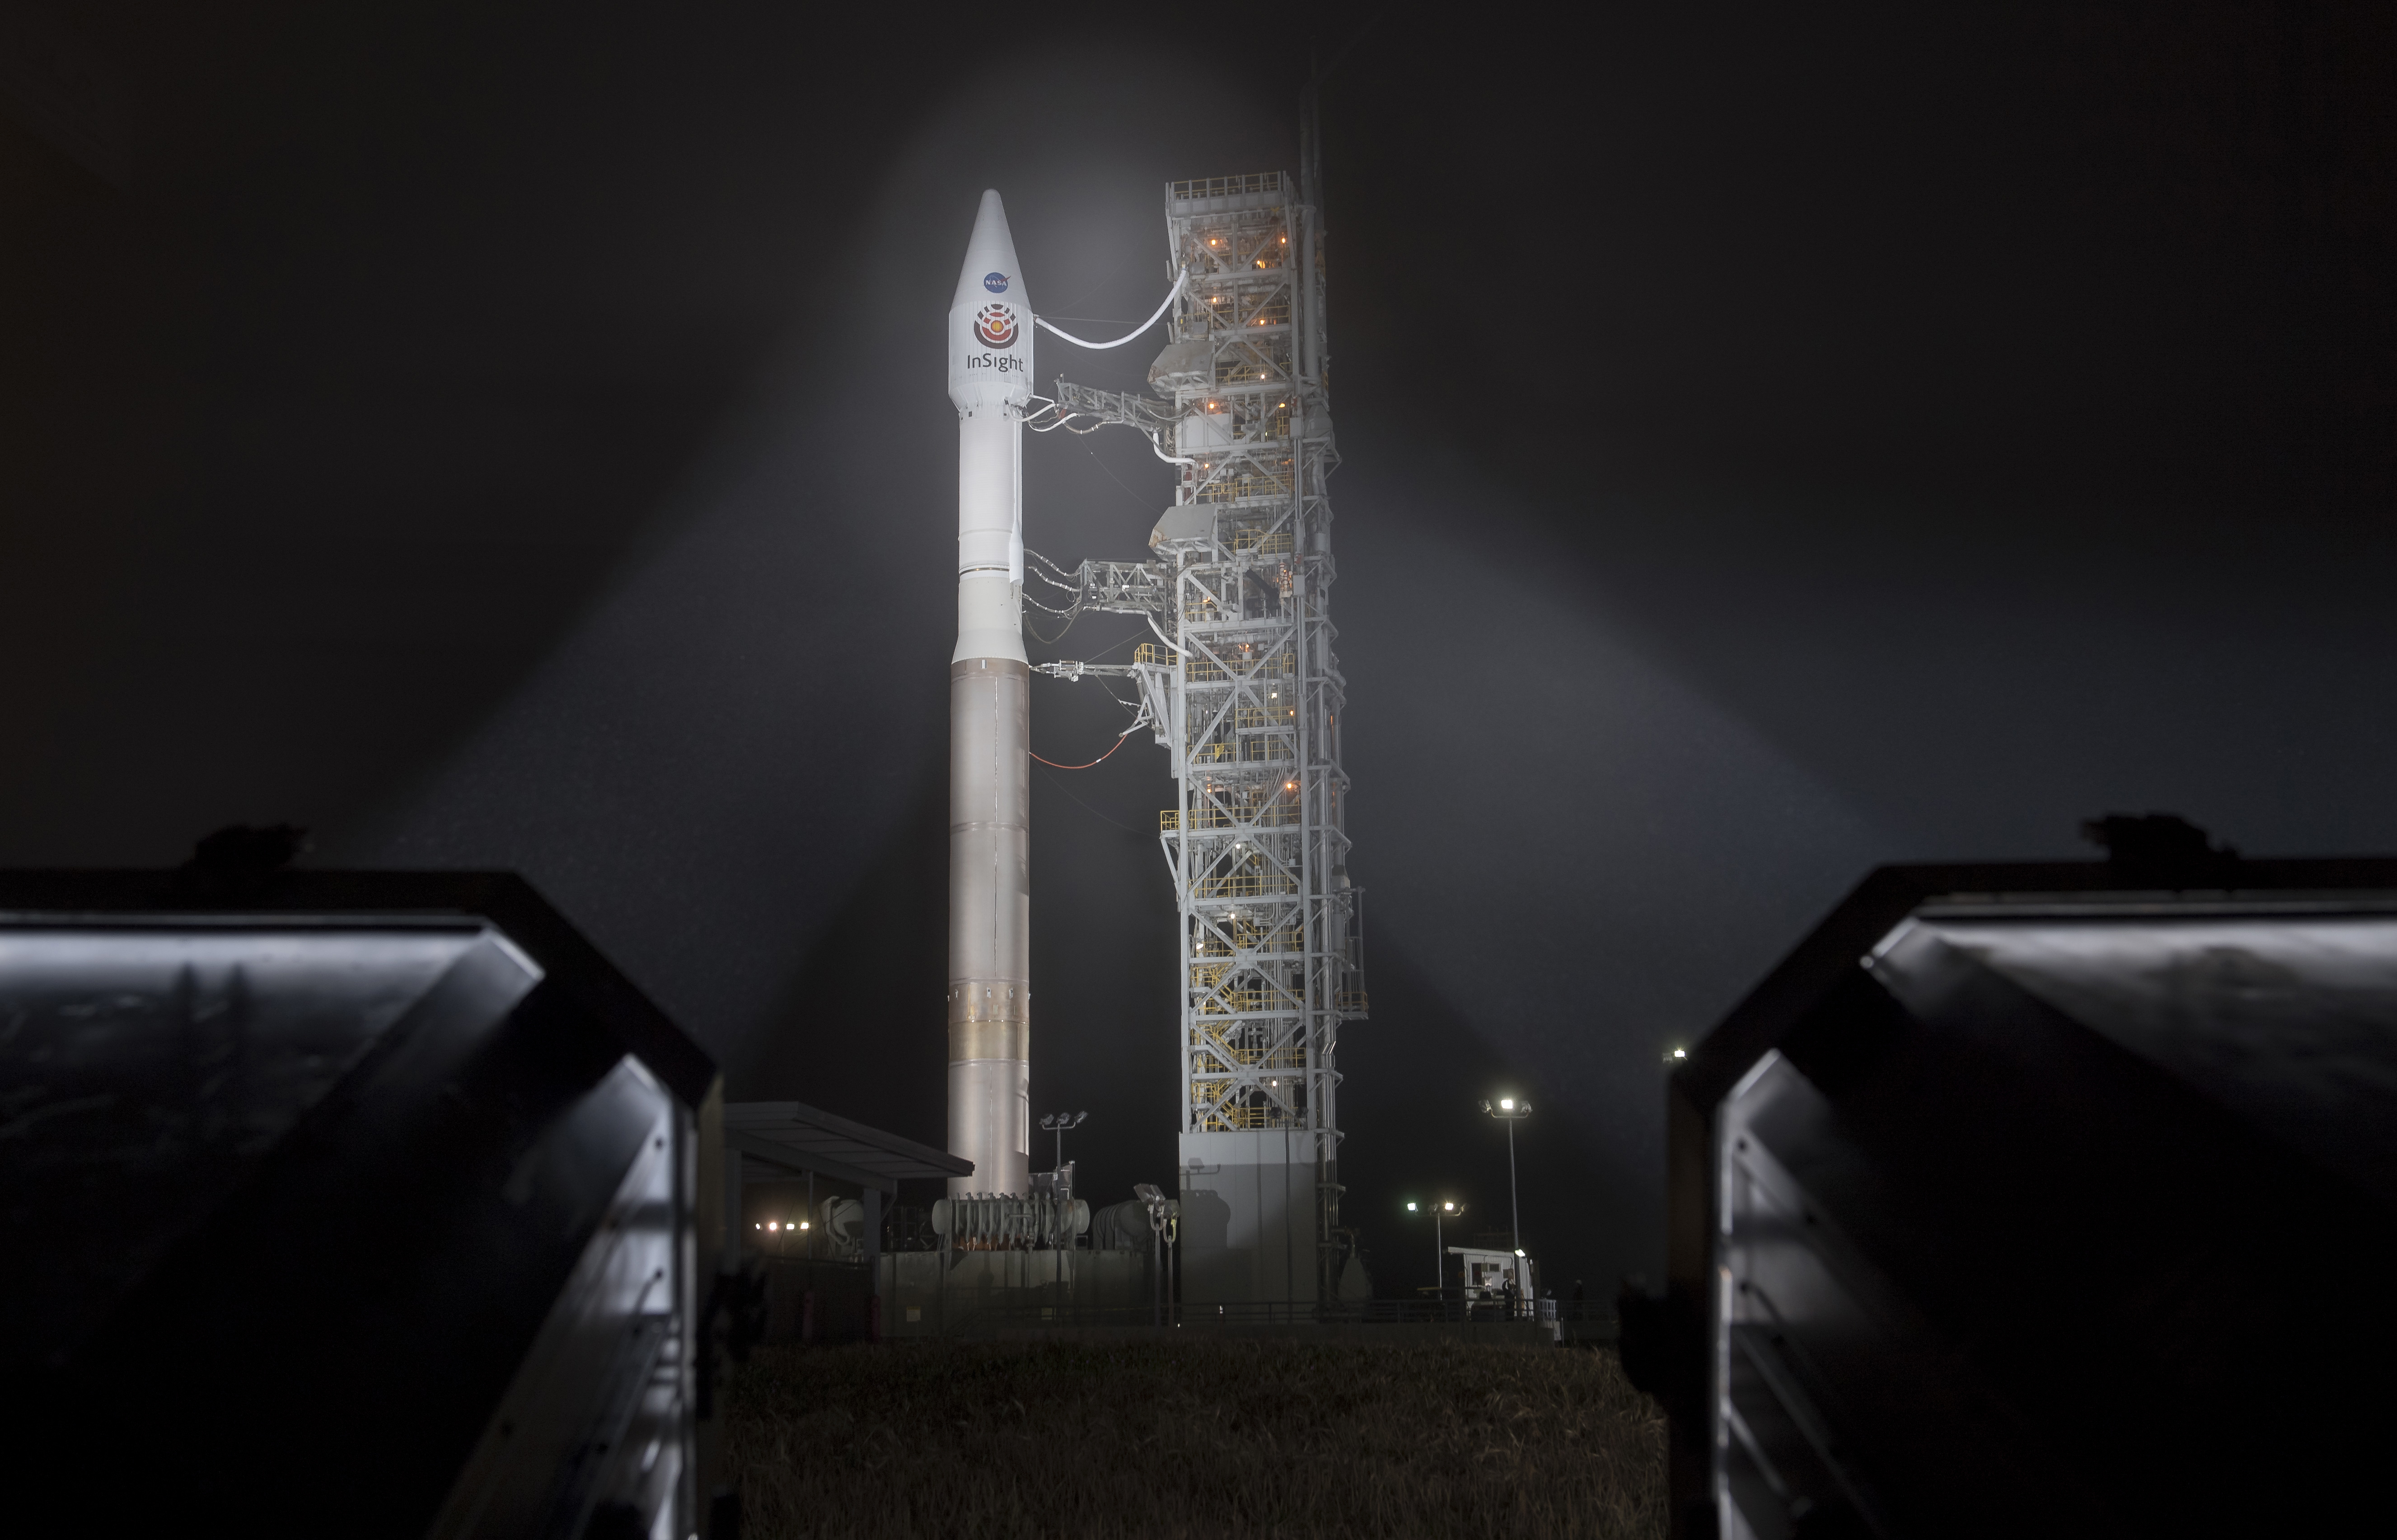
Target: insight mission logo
pixel 995 324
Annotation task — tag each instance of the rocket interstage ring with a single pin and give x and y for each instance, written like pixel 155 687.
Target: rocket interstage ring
pixel 977 668
pixel 988 1039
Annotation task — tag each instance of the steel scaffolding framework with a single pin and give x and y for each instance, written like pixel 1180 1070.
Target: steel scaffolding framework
pixel 1244 690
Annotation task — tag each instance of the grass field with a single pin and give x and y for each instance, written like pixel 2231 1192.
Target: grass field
pixel 1201 1439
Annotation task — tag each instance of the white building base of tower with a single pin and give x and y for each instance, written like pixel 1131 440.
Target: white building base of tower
pixel 1250 1217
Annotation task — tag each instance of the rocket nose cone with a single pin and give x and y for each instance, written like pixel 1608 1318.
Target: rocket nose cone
pixel 990 266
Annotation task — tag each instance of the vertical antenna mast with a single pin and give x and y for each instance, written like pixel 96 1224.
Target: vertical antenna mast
pixel 1310 198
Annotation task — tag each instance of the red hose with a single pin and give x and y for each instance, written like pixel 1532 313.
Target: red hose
pixel 1101 759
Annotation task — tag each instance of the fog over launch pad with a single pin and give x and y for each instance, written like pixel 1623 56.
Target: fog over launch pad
pixel 1761 459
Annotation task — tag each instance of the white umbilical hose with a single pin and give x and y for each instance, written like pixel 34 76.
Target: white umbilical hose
pixel 1175 294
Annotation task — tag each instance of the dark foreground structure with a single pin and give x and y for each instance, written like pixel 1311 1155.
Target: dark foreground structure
pixel 2042 1199
pixel 343 1204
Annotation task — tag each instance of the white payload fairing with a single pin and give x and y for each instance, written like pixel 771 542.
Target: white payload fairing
pixel 990 889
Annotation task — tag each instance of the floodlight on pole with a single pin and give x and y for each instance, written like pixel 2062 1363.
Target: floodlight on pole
pixel 1057 1123
pixel 1511 1110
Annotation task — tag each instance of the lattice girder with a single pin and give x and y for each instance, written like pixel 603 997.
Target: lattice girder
pixel 1242 685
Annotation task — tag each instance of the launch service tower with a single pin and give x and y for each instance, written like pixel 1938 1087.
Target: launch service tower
pixel 1243 690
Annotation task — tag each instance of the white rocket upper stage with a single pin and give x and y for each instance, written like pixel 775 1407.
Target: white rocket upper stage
pixel 990 379
pixel 990 319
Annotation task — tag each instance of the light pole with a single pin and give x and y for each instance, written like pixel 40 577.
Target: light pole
pixel 1439 1212
pixel 1511 1110
pixel 1057 1123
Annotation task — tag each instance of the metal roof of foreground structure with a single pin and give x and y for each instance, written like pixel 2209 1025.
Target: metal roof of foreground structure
pixel 368 1202
pixel 2040 1199
pixel 780 1137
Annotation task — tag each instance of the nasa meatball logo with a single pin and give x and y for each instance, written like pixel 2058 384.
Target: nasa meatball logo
pixel 994 327
pixel 995 282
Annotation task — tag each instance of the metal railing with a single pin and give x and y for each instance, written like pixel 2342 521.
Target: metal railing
pixel 1226 254
pixel 1226 187
pixel 1246 885
pixel 1594 1322
pixel 1475 1311
pixel 1246 750
pixel 1241 489
pixel 1241 1119
pixel 1275 666
pixel 1278 665
pixel 1286 1056
pixel 1244 371
pixel 1224 311
pixel 1282 936
pixel 1248 1002
pixel 1268 815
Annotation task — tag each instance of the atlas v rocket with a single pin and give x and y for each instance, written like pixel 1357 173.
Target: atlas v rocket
pixel 990 889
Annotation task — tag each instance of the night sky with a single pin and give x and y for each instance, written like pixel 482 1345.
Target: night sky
pixel 1774 443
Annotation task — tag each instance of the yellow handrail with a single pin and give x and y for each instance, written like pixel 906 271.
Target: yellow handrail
pixel 1246 885
pixel 1281 665
pixel 1253 1001
pixel 1270 815
pixel 1284 1057
pixel 1236 1120
pixel 1253 937
pixel 1247 751
pixel 1238 488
